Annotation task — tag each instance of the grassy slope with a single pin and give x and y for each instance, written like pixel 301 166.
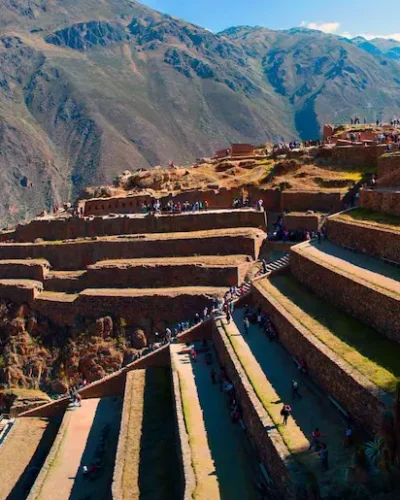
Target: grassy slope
pixel 373 355
pixel 371 218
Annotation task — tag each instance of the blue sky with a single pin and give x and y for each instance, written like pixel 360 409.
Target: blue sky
pixel 345 17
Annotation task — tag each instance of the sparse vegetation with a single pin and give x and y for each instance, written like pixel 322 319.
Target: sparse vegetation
pixel 371 218
pixel 370 353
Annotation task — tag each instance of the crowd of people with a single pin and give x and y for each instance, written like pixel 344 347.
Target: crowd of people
pixel 171 207
pixel 280 233
pixel 246 203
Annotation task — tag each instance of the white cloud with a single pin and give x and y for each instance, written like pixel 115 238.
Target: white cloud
pixel 325 27
pixel 334 28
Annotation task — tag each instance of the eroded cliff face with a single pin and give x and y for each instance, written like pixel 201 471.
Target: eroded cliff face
pixel 34 354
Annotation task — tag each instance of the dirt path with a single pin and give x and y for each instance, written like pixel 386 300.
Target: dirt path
pixel 30 439
pixel 61 477
pixel 225 459
pixel 312 410
pixel 207 483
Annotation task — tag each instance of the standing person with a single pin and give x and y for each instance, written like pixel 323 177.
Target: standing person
pixel 348 437
pixel 295 390
pixel 315 437
pixel 205 313
pixel 323 455
pixel 228 315
pixel 246 324
pixel 286 412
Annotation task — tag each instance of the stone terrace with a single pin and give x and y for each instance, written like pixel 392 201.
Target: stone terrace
pixel 365 288
pixel 78 442
pixel 143 278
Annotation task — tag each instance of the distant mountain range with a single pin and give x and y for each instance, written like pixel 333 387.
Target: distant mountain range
pixel 91 88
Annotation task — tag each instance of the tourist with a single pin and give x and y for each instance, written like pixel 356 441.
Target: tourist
pixel 315 437
pixel 246 324
pixel 286 412
pixel 295 390
pixel 228 316
pixel 323 455
pixel 264 266
pixel 197 318
pixel 303 367
pixel 205 313
pixel 348 437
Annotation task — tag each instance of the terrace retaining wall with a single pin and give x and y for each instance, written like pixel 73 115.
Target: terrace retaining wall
pixel 387 202
pixel 217 199
pixel 370 240
pixel 387 164
pixel 77 227
pixel 360 397
pixel 360 156
pixel 73 256
pixel 293 222
pixel 358 298
pixel 301 201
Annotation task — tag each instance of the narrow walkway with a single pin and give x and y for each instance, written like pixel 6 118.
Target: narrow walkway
pixel 61 477
pixel 355 264
pixel 313 409
pixel 232 466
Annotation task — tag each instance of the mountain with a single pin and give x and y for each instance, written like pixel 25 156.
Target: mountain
pixel 91 88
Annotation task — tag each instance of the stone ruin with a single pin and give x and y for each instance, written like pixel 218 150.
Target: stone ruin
pixel 333 305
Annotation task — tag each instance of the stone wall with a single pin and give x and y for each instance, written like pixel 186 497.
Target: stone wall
pixel 217 199
pixel 387 164
pixel 301 201
pixel 353 391
pixel 53 409
pixel 162 307
pixel 261 430
pixel 77 227
pixel 169 275
pixel 28 270
pixel 387 202
pixel 73 256
pixel 359 298
pixel 294 222
pixel 371 240
pixel 19 292
pixel 188 478
pixel 360 156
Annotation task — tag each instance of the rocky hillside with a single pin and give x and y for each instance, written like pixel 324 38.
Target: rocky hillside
pixel 35 354
pixel 89 89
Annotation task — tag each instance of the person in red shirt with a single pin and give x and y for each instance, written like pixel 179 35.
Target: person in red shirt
pixel 315 437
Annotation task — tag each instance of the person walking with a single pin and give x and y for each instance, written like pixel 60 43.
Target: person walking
pixel 315 437
pixel 246 324
pixel 228 316
pixel 286 412
pixel 323 455
pixel 295 390
pixel 348 436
